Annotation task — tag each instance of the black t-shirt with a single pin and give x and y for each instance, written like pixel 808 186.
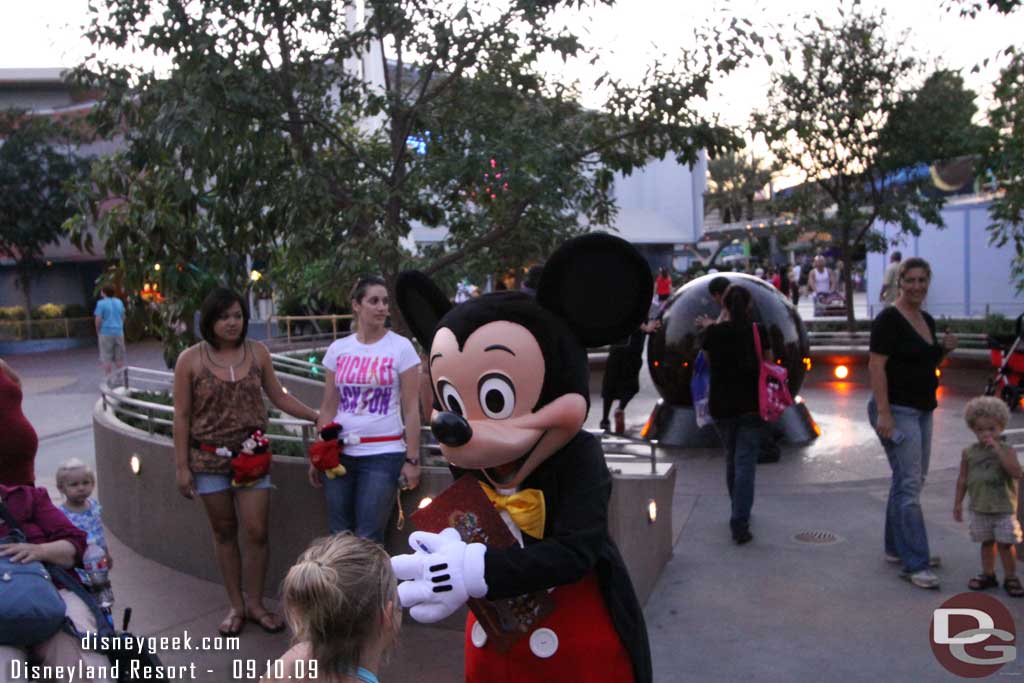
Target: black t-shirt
pixel 734 369
pixel 910 370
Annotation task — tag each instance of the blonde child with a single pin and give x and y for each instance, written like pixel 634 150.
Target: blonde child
pixel 76 481
pixel 341 602
pixel 988 473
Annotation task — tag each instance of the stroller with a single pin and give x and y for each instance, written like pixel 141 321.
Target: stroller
pixel 1007 356
pixel 828 304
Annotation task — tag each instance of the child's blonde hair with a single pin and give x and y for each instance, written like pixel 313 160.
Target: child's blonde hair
pixel 986 406
pixel 336 596
pixel 70 466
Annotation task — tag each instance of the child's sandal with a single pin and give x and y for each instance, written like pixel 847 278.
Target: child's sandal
pixel 984 581
pixel 1013 588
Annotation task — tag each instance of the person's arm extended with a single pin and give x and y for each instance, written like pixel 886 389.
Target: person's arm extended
pixel 182 421
pixel 275 392
pixel 961 489
pixel 409 389
pixel 880 390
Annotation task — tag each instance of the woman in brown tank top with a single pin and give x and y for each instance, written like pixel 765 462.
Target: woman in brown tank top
pixel 218 403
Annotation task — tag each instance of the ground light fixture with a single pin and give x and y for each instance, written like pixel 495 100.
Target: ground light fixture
pixel 425 501
pixel 938 373
pixel 652 511
pixel 841 372
pixel 135 463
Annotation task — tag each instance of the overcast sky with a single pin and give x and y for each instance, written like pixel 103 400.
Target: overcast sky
pixel 47 33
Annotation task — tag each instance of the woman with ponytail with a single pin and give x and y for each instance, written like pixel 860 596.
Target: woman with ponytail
pixel 341 602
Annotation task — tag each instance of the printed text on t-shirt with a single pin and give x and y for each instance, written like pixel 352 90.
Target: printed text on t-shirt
pixel 365 383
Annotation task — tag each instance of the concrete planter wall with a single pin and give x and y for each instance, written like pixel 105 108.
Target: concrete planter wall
pixel 147 513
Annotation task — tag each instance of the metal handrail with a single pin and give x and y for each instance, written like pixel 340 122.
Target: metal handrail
pixel 112 392
pixel 862 338
pixel 613 444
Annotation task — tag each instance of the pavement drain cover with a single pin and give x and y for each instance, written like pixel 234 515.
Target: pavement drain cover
pixel 817 537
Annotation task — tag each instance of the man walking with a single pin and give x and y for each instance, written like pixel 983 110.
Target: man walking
pixel 890 281
pixel 109 315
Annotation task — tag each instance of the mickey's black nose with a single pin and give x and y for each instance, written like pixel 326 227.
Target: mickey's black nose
pixel 451 429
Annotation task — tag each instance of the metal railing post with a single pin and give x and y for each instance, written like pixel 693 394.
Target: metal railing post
pixel 288 328
pixel 334 326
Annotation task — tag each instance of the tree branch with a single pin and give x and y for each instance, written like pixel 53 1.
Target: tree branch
pixel 484 240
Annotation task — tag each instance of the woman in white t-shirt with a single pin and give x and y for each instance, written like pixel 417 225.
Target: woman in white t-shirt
pixel 372 382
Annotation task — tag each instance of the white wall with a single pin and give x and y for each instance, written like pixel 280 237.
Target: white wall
pixel 969 276
pixel 662 203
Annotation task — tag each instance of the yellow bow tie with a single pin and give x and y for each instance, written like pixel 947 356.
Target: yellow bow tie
pixel 526 508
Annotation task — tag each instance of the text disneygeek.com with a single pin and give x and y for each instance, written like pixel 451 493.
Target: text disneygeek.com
pixel 128 657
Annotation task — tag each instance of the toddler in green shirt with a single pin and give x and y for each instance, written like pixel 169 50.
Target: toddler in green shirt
pixel 988 474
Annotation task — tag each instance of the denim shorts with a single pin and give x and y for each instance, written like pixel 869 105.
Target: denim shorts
pixel 206 483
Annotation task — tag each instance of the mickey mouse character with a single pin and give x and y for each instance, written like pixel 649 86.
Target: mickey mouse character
pixel 511 387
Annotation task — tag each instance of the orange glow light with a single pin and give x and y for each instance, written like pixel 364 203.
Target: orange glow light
pixel 841 372
pixel 656 363
pixel 938 373
pixel 807 364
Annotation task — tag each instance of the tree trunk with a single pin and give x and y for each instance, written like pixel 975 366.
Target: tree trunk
pixel 847 259
pixel 25 279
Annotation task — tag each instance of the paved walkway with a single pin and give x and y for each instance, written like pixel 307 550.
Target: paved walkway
pixel 773 610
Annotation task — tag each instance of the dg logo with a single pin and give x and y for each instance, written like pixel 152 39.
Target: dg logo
pixel 973 635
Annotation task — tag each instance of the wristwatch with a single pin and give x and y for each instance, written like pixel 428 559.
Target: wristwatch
pixel 413 461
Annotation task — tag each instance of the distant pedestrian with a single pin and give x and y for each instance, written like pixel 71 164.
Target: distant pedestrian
pixel 663 285
pixel 109 318
pixel 532 279
pixel 821 280
pixel 890 280
pixel 733 402
pixel 621 380
pixel 904 354
pixel 989 472
pixel 794 283
pixel 20 442
pixel 784 280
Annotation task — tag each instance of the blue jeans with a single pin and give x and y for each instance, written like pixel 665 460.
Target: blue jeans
pixel 905 535
pixel 741 437
pixel 361 500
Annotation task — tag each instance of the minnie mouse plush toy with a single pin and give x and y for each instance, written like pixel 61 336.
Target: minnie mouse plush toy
pixel 511 389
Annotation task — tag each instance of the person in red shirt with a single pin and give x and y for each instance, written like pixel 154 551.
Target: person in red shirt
pixel 49 537
pixel 18 447
pixel 663 284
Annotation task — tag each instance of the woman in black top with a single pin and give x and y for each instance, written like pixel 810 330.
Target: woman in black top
pixel 905 353
pixel 733 402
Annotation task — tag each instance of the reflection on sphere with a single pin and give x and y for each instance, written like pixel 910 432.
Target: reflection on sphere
pixel 672 349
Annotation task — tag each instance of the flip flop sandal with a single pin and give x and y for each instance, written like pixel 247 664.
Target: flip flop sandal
pixel 235 622
pixel 982 582
pixel 1013 587
pixel 267 622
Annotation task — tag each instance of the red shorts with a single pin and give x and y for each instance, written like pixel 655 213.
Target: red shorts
pixel 578 636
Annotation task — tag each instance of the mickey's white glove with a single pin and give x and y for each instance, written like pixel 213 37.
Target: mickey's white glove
pixel 440 576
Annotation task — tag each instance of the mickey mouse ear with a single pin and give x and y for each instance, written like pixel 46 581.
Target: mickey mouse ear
pixel 600 285
pixel 421 303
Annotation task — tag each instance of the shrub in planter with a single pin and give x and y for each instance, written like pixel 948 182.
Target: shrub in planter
pixel 12 313
pixel 48 312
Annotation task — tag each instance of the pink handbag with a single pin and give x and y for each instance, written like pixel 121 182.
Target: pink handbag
pixel 773 395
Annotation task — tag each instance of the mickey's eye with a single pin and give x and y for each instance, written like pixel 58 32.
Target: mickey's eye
pixel 497 396
pixel 450 399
